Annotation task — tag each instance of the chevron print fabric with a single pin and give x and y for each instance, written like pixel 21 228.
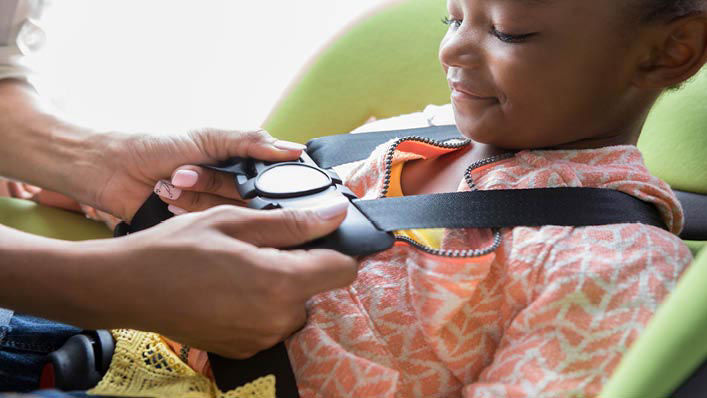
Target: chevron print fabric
pixel 549 314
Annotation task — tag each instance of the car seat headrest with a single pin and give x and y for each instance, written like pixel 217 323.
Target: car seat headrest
pixel 674 138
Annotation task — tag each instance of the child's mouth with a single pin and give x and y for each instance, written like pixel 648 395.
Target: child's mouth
pixel 458 95
pixel 461 93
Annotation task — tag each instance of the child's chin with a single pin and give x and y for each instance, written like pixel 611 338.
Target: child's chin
pixel 478 132
pixel 481 127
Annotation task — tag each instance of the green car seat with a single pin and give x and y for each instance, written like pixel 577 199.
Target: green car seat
pixel 664 359
pixel 386 65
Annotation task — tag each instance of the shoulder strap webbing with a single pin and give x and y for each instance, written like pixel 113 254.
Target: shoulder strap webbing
pixel 334 150
pixel 476 209
pixel 507 208
pixel 479 209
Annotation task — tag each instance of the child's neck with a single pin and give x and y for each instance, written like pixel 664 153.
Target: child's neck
pixel 601 142
pixel 443 174
pixel 624 132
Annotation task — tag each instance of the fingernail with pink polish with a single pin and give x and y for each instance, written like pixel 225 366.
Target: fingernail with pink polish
pixel 185 178
pixel 332 209
pixel 176 210
pixel 289 146
pixel 166 190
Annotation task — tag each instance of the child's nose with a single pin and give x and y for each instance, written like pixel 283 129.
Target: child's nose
pixel 459 49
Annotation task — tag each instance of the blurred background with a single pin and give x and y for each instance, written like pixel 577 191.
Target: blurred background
pixel 163 65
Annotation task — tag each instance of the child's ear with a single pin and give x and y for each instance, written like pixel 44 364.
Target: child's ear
pixel 678 51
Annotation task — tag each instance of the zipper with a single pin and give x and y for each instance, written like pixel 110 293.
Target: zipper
pixel 483 162
pixel 450 144
pixel 466 253
pixel 458 143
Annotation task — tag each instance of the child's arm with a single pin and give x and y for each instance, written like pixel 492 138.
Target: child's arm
pixel 595 292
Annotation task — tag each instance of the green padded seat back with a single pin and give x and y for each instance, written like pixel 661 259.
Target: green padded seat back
pixel 674 139
pixel 49 222
pixel 384 65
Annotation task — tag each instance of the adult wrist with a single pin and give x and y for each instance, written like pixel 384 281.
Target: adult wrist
pixel 114 286
pixel 93 289
pixel 74 161
pixel 40 148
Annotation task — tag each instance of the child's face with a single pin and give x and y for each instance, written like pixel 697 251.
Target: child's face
pixel 540 73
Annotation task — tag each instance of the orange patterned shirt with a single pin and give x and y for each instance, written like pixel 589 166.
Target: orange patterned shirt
pixel 548 313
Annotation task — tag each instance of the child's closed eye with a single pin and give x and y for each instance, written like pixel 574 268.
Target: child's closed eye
pixel 502 36
pixel 509 38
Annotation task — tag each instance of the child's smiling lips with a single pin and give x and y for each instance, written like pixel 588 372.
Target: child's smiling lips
pixel 464 93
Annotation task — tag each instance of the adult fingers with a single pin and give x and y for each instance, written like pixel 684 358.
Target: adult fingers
pixel 180 201
pixel 18 190
pixel 243 343
pixel 283 228
pixel 323 270
pixel 313 271
pixel 199 179
pixel 256 143
pixel 101 216
pixel 31 188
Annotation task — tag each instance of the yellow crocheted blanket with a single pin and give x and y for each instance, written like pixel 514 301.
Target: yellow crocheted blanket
pixel 144 366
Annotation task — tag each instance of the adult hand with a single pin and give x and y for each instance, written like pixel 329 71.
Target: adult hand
pixel 133 164
pixel 212 279
pixel 113 172
pixel 21 190
pixel 195 188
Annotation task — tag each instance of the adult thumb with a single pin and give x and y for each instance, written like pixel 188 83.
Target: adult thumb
pixel 291 227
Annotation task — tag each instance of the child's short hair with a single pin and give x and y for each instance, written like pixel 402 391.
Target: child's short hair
pixel 666 10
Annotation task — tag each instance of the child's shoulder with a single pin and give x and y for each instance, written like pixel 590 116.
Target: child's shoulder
pixel 619 168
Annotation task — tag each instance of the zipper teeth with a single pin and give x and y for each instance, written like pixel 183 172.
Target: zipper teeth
pixel 455 253
pixel 425 140
pixel 482 162
pixel 467 176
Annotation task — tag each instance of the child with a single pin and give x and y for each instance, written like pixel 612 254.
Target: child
pixel 550 94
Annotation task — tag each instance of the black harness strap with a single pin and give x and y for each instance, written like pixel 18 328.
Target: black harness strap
pixel 335 150
pixel 694 206
pixel 507 208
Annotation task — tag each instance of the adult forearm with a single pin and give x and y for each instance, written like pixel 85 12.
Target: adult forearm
pixel 38 147
pixel 48 278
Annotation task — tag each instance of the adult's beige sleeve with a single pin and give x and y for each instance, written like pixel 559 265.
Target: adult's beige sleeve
pixel 20 36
